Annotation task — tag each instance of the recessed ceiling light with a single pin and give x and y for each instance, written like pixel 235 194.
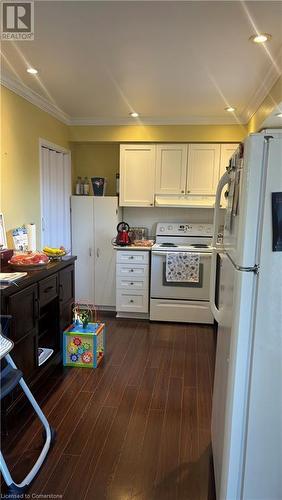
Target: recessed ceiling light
pixel 279 115
pixel 230 109
pixel 32 71
pixel 134 114
pixel 260 37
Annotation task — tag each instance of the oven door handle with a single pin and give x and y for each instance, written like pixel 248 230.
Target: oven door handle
pixel 207 254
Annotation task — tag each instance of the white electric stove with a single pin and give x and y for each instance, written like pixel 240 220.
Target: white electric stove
pixel 181 301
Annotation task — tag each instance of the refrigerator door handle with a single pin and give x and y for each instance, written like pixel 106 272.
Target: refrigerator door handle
pixel 223 181
pixel 216 247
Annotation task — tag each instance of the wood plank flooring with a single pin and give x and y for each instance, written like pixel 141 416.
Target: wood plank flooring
pixel 138 427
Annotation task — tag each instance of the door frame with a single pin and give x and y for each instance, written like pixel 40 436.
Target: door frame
pixel 59 149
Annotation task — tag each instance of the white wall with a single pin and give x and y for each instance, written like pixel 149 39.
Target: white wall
pixel 149 217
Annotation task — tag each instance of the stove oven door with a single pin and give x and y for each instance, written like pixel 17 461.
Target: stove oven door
pixel 162 289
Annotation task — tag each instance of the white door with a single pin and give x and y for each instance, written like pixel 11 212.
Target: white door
pixel 82 224
pixel 203 169
pixel 171 164
pixel 106 218
pixel 226 151
pixel 55 198
pixel 137 175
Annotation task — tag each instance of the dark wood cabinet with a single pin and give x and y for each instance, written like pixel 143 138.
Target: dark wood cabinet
pixel 40 307
pixel 23 307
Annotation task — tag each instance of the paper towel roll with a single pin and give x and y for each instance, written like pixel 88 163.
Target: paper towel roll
pixel 31 237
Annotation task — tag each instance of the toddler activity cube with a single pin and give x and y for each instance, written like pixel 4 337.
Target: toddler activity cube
pixel 84 346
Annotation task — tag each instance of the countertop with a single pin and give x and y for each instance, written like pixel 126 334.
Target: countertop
pixel 132 247
pixel 33 276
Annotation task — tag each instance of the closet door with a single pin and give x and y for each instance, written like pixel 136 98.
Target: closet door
pixel 55 198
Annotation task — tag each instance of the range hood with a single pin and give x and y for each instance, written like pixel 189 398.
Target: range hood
pixel 184 201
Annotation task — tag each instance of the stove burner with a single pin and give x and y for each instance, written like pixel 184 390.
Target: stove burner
pixel 199 245
pixel 168 245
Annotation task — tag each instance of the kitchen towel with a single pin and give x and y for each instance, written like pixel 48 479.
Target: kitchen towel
pixel 31 236
pixel 182 266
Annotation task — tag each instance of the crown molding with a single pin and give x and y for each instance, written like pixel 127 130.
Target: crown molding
pixel 189 120
pixel 271 76
pixel 34 98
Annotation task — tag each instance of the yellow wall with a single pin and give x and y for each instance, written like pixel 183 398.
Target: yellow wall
pixel 270 102
pixel 158 133
pixel 22 124
pixel 99 160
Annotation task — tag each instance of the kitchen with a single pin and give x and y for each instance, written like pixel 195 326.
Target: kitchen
pixel 144 423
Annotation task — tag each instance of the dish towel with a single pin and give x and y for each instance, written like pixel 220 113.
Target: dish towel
pixel 182 266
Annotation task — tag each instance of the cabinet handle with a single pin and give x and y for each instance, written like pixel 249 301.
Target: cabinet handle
pixel 151 204
pixel 132 270
pixel 131 257
pixel 188 191
pixel 98 253
pixel 48 289
pixel 132 283
pixel 183 191
pixel 131 301
pixel 90 252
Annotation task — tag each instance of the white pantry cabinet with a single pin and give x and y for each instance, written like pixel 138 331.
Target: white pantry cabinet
pixel 93 221
pixel 203 169
pixel 137 175
pixel 171 166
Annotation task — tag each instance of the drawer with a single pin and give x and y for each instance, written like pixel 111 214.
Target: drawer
pixel 48 289
pixel 138 271
pixel 134 256
pixel 132 301
pixel 134 284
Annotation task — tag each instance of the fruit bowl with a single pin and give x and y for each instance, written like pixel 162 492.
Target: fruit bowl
pixel 55 253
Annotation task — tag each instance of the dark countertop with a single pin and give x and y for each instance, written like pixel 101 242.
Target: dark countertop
pixel 34 276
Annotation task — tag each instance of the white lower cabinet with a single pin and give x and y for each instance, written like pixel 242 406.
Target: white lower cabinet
pixel 132 283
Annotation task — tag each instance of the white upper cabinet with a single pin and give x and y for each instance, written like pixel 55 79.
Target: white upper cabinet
pixel 226 151
pixel 203 169
pixel 137 175
pixel 171 165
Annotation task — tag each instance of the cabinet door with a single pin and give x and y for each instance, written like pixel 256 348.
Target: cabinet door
pixel 23 307
pixel 171 163
pixel 66 284
pixel 82 223
pixel 203 169
pixel 226 151
pixel 106 218
pixel 137 175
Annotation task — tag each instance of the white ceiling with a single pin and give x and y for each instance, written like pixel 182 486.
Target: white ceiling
pixel 172 61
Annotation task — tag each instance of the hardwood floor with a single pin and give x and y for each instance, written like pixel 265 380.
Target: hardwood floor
pixel 137 427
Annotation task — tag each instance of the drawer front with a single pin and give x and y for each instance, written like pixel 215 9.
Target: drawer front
pixel 132 302
pixel 48 289
pixel 134 256
pixel 134 284
pixel 128 270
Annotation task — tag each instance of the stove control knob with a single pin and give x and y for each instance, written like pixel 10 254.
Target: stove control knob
pixel 170 228
pixel 201 228
pixel 162 229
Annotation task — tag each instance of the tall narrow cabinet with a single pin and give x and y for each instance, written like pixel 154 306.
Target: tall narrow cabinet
pixel 93 221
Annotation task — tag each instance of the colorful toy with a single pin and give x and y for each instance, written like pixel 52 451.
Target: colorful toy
pixel 84 346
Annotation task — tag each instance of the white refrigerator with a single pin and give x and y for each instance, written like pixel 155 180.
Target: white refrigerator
pixel 247 397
